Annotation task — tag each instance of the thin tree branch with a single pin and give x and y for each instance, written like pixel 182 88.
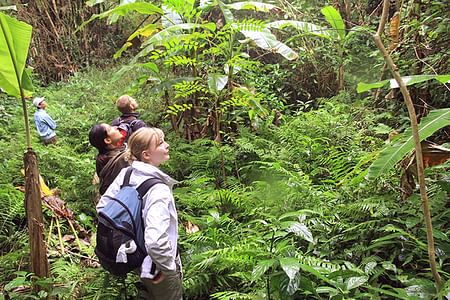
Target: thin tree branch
pixel 417 146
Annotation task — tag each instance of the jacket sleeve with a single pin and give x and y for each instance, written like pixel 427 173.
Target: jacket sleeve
pixel 49 121
pixel 111 191
pixel 157 240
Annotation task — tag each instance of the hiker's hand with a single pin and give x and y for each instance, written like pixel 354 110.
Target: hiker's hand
pixel 159 277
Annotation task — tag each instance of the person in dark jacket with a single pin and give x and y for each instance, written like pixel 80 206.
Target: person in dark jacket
pixel 129 121
pixel 111 153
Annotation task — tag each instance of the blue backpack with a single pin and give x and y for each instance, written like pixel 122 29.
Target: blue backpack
pixel 119 222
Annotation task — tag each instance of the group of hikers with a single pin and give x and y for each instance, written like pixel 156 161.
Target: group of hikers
pixel 129 142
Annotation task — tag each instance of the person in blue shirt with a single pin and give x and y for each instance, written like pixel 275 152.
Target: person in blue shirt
pixel 45 125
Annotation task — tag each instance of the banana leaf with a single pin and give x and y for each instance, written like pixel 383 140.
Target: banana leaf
pixel 334 18
pixel 267 41
pixel 15 38
pixel 207 5
pixel 217 82
pixel 121 10
pixel 302 26
pixel 404 143
pixel 408 80
pixel 252 5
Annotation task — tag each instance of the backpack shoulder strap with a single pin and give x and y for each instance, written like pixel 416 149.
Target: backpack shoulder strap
pixel 133 122
pixel 146 185
pixel 126 178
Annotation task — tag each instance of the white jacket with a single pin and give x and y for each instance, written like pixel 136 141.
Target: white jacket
pixel 159 214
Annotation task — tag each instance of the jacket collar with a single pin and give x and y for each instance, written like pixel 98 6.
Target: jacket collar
pixel 149 170
pixel 127 115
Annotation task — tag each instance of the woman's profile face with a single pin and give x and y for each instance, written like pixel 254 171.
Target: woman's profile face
pixel 158 153
pixel 113 135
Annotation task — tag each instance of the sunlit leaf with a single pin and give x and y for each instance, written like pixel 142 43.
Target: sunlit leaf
pixel 15 38
pixel 169 33
pixel 207 5
pixel 94 2
pixel 300 229
pixel 216 82
pixel 354 282
pixel 144 8
pixel 302 26
pixel 389 266
pixel 261 268
pixel 408 80
pixel 252 5
pixel 170 17
pixel 290 266
pixel 267 41
pixel 404 144
pixel 9 7
pixel 334 18
pixel 151 66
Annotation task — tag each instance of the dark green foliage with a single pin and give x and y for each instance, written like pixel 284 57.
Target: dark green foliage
pixel 282 206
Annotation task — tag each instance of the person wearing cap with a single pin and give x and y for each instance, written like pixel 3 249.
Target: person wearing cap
pixel 45 125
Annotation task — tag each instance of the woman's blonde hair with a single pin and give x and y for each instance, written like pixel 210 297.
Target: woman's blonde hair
pixel 141 140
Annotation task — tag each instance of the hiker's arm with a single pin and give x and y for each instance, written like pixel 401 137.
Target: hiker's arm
pixel 157 220
pixel 49 121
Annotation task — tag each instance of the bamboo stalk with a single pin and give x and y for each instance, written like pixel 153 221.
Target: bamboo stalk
pixel 418 149
pixel 61 242
pixel 75 234
pixel 50 232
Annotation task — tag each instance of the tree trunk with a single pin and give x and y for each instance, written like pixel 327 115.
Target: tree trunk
pixel 33 208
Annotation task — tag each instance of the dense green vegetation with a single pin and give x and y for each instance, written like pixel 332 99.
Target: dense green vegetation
pixel 272 162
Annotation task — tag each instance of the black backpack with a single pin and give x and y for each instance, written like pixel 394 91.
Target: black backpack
pixel 129 125
pixel 120 221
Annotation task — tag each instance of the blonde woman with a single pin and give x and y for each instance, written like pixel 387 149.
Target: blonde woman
pixel 148 150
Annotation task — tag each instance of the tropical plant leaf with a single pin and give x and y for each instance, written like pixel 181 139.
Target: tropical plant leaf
pixel 15 37
pixel 302 26
pixel 207 5
pixel 291 267
pixel 168 33
pixel 168 84
pixel 393 153
pixel 354 282
pixel 299 229
pixel 170 17
pixel 122 10
pixel 94 2
pixel 334 18
pixel 252 5
pixel 261 268
pixel 27 84
pixel 9 7
pixel 408 80
pixel 216 82
pixel 267 41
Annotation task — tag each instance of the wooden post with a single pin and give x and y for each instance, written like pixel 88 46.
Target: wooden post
pixel 33 208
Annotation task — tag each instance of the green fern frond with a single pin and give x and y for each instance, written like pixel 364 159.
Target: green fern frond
pixel 233 295
pixel 249 25
pixel 185 89
pixel 180 60
pixel 323 266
